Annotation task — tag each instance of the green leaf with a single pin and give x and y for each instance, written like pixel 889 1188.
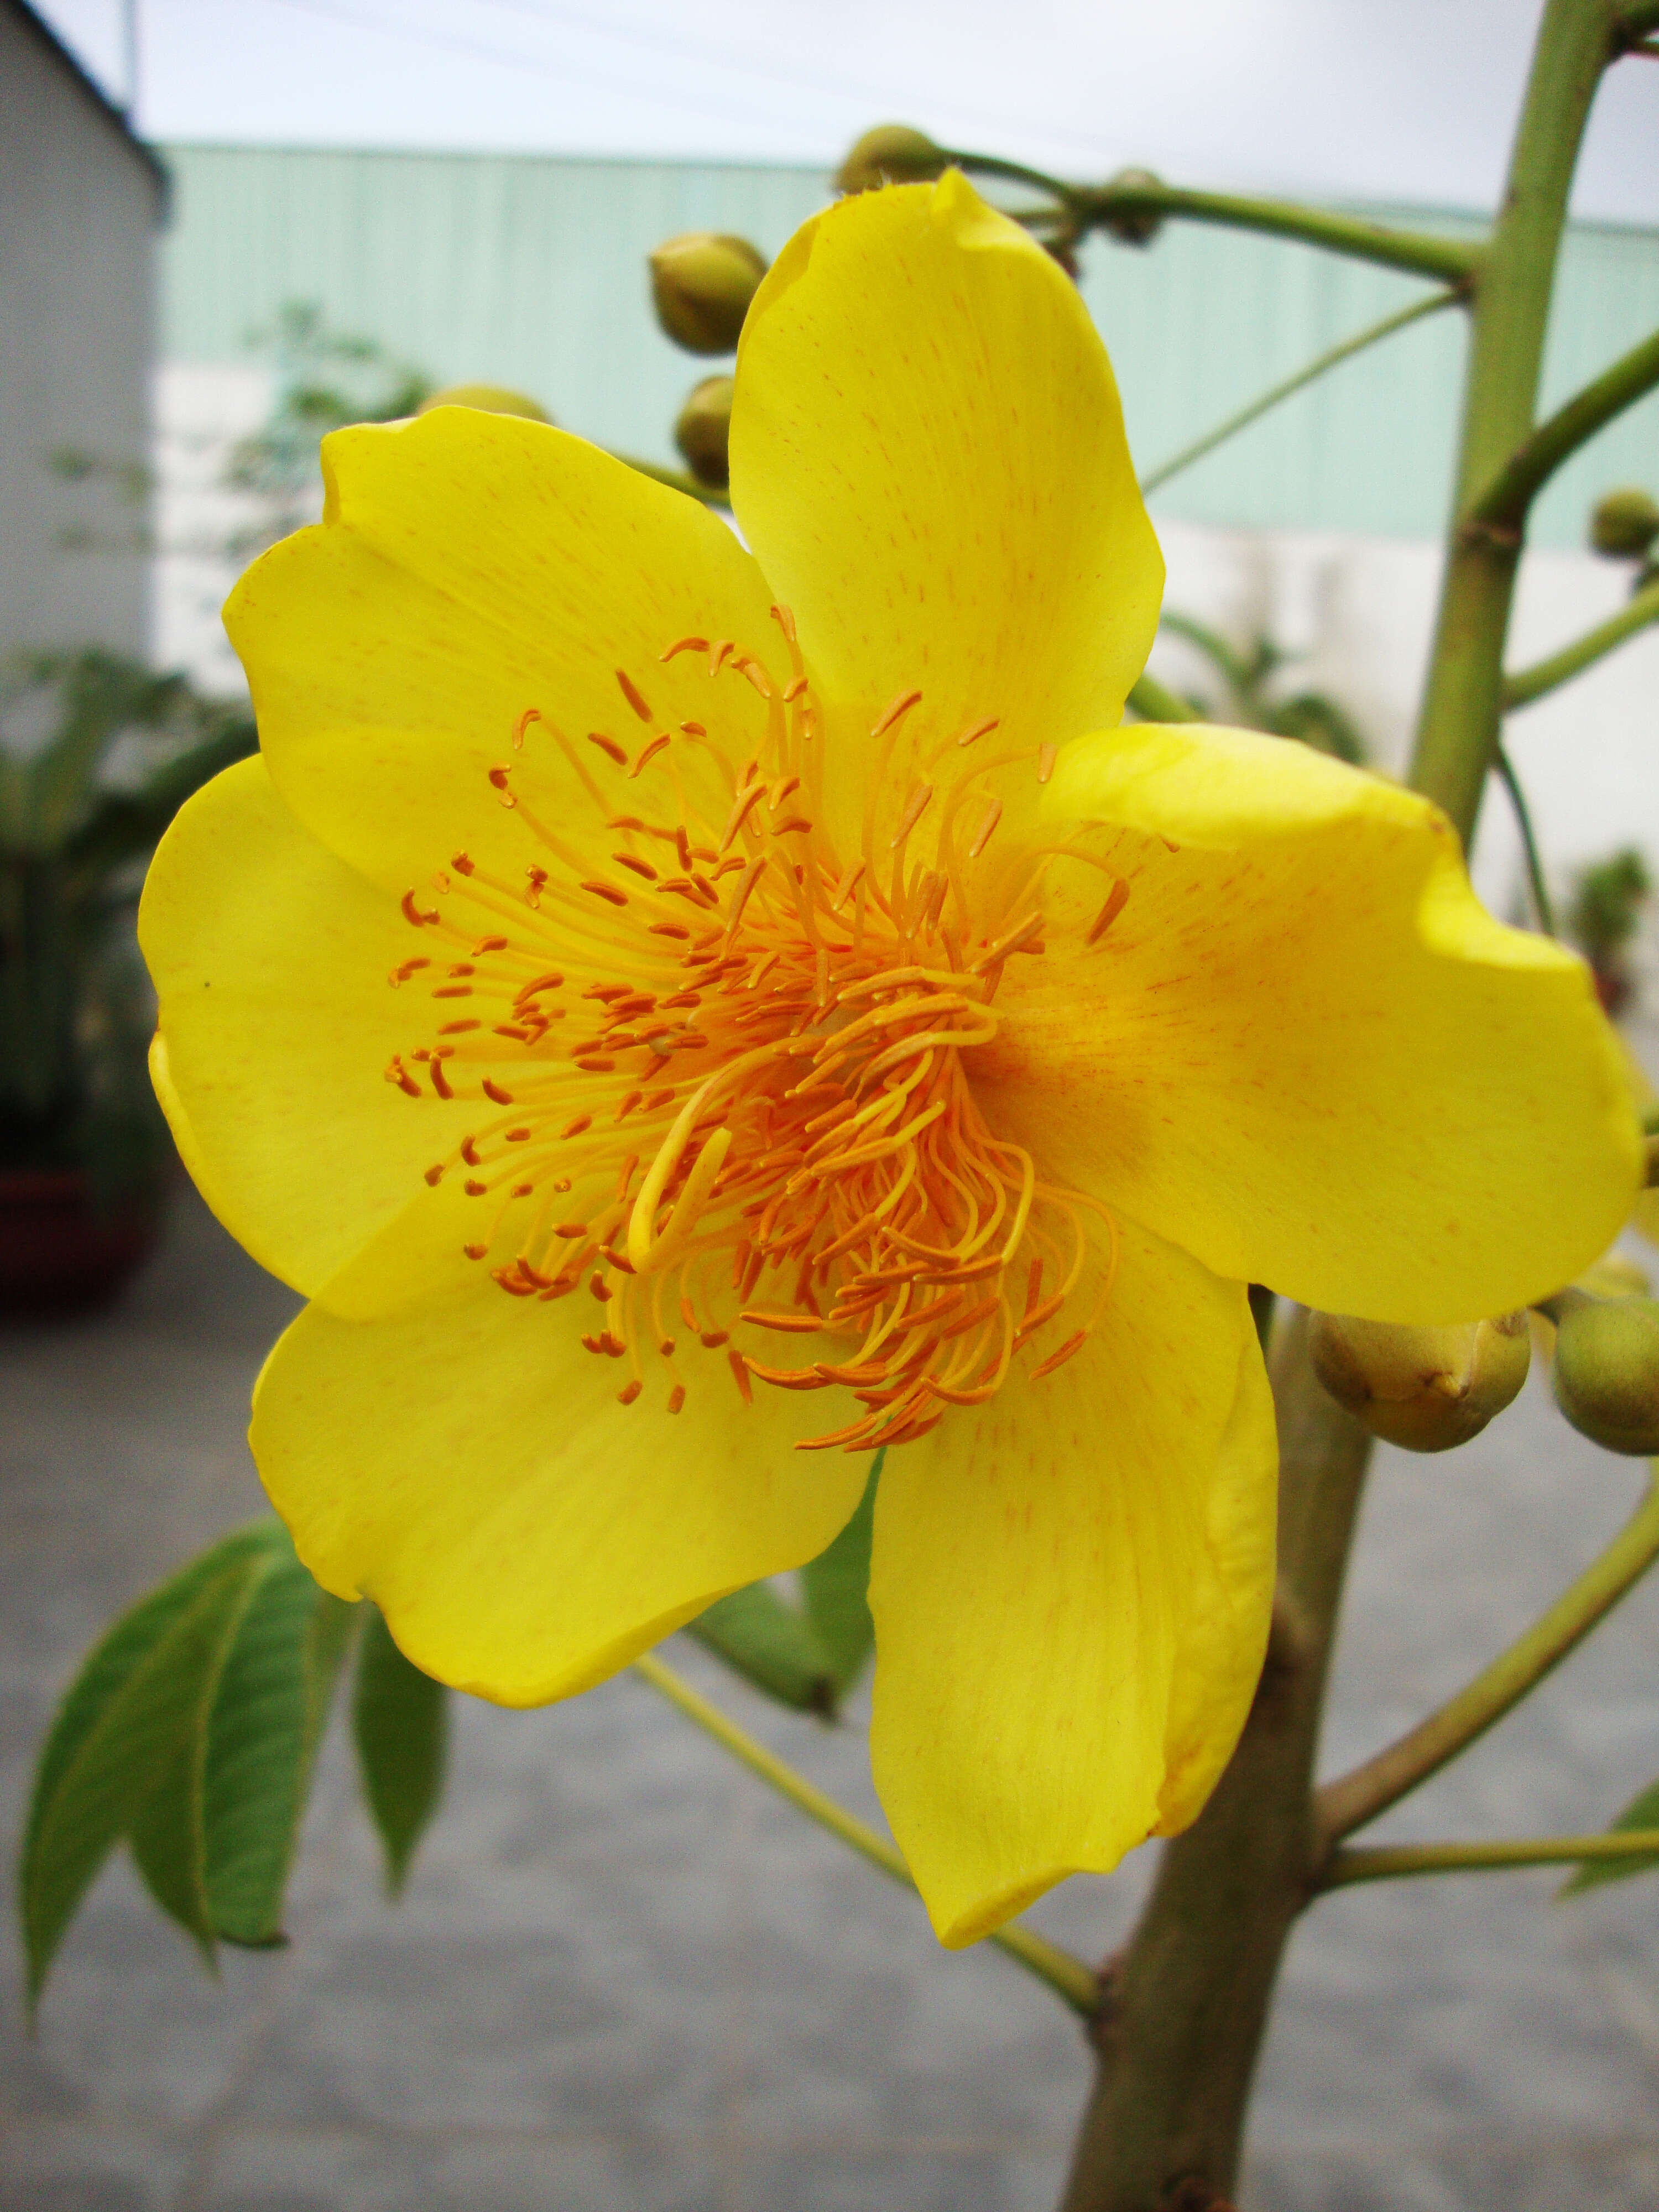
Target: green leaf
pixel 190 1732
pixel 119 1737
pixel 1642 1812
pixel 261 1741
pixel 771 1646
pixel 400 1719
pixel 836 1587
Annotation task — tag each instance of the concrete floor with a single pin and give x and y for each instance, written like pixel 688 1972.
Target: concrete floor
pixel 625 1979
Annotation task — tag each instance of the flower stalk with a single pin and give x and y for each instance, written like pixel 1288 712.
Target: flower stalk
pixel 1383 1862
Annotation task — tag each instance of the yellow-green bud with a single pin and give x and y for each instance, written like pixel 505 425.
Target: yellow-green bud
pixel 488 399
pixel 1134 225
pixel 704 431
pixel 1606 1372
pixel 702 283
pixel 1427 1388
pixel 1623 524
pixel 891 154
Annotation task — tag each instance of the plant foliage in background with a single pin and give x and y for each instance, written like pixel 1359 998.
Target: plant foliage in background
pixel 96 755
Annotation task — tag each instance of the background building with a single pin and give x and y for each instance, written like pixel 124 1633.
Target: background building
pixel 81 203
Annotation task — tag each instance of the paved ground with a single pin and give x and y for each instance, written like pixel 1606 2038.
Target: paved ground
pixel 625 1980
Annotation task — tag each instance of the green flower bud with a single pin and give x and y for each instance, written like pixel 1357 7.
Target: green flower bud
pixel 1623 524
pixel 702 283
pixel 1427 1388
pixel 1606 1372
pixel 488 399
pixel 704 431
pixel 891 154
pixel 1134 225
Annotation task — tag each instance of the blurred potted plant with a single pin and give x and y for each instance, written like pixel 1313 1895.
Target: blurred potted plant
pixel 1603 918
pixel 1252 702
pixel 96 753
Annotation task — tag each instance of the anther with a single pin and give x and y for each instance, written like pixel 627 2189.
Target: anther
pixel 628 1392
pixel 631 691
pixel 576 1128
pixel 609 747
pixel 914 807
pixel 684 644
pixel 979 730
pixel 530 714
pixel 648 753
pixel 740 1376
pixel 1047 755
pixel 493 1089
pixel 463 863
pixel 473 1188
pixel 890 715
pixel 611 891
pixel 434 1173
pixel 414 913
pixel 988 821
pixel 676 1398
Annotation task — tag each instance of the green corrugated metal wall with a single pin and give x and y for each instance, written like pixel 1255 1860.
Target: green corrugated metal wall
pixel 529 271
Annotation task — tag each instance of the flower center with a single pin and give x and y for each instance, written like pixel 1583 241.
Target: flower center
pixel 722 1089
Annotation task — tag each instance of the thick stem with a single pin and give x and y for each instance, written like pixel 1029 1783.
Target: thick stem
pixel 1458 728
pixel 1185 2010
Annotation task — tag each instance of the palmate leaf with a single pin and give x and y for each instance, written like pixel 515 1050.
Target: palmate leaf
pixel 1642 1812
pixel 191 1733
pixel 400 1720
pixel 806 1657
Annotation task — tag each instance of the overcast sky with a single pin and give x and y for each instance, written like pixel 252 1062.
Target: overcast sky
pixel 1367 99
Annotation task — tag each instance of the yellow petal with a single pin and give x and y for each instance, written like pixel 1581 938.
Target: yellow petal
pixel 471 567
pixel 1218 1663
pixel 1302 1049
pixel 1037 1569
pixel 467 1465
pixel 270 959
pixel 928 460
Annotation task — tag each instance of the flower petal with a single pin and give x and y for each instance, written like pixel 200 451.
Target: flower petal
pixel 1302 1049
pixel 928 460
pixel 472 567
pixel 1037 1567
pixel 467 1465
pixel 1218 1663
pixel 270 959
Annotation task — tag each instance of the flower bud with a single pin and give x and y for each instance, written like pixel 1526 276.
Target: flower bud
pixel 1606 1372
pixel 1427 1388
pixel 704 431
pixel 1134 225
pixel 891 154
pixel 702 283
pixel 488 399
pixel 1623 524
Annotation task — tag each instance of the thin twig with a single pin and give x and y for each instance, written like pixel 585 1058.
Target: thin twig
pixel 1365 1790
pixel 1386 1861
pixel 1453 261
pixel 1503 506
pixel 1512 783
pixel 1155 702
pixel 1064 1974
pixel 1530 683
pixel 1330 359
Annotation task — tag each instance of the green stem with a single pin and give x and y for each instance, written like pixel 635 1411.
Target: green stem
pixel 1541 896
pixel 1155 702
pixel 1357 1797
pixel 1068 1977
pixel 1385 1862
pixel 1458 727
pixel 1451 260
pixel 1016 172
pixel 1400 320
pixel 1514 485
pixel 1544 675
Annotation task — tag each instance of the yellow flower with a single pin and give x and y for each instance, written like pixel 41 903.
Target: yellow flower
pixel 689 1016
